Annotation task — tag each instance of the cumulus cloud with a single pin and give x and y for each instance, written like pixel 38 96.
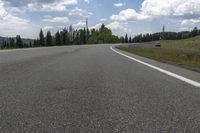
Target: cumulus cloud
pixel 129 15
pixel 47 28
pixel 96 26
pixel 188 22
pixel 119 4
pixel 56 19
pixel 76 12
pixel 115 26
pixel 54 6
pixel 151 9
pixel 79 12
pixel 120 28
pixel 87 1
pixel 79 24
pixel 103 19
pixel 3 12
pixel 171 7
pixel 11 25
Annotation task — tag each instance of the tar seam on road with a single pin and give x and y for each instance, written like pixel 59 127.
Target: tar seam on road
pixel 189 81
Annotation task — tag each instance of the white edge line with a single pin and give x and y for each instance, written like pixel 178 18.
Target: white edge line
pixel 189 81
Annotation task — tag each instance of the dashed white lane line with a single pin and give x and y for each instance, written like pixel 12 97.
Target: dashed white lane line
pixel 189 81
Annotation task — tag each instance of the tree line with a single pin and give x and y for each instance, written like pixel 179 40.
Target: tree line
pixel 71 36
pixel 162 36
pixel 67 36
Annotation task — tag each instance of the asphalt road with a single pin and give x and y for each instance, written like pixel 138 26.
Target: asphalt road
pixel 91 89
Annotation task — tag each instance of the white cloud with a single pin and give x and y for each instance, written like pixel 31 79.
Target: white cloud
pixel 190 21
pixel 129 15
pixel 103 19
pixel 90 13
pixel 3 12
pixel 47 28
pixel 80 24
pixel 188 10
pixel 158 7
pixel 188 7
pixel 76 12
pixel 115 25
pixel 119 4
pixel 56 19
pixel 79 12
pixel 11 25
pixel 87 1
pixel 97 26
pixel 120 28
pixel 170 7
pixel 55 6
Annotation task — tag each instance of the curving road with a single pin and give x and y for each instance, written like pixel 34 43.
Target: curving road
pixel 92 89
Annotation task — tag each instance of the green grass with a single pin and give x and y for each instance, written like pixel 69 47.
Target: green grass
pixel 191 45
pixel 184 53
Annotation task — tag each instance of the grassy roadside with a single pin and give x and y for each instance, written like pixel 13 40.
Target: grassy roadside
pixel 184 53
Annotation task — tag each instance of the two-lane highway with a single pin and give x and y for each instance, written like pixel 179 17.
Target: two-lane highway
pixel 92 89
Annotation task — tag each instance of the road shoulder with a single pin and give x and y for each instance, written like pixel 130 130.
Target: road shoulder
pixel 195 76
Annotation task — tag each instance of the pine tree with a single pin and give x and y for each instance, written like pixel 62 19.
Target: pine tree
pixel 122 39
pixel 30 44
pixel 77 38
pixel 194 32
pixel 81 31
pixel 102 27
pixel 41 38
pixel 12 42
pixel 57 39
pixel 19 43
pixel 35 42
pixel 49 39
pixel 130 40
pixel 126 38
pixel 84 37
pixel 64 37
pixel 87 34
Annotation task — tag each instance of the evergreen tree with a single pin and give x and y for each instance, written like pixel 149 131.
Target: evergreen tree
pixel 87 34
pixel 130 40
pixel 41 38
pixel 64 37
pixel 103 35
pixel 57 38
pixel 36 42
pixel 19 43
pixel 49 39
pixel 194 32
pixel 122 40
pixel 77 38
pixel 126 38
pixel 30 44
pixel 84 36
pixel 102 27
pixel 12 42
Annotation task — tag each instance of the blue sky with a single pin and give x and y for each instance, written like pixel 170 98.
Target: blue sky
pixel 26 17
